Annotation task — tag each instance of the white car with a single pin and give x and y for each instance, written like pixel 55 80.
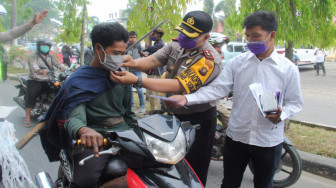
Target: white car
pixel 233 49
pixel 305 55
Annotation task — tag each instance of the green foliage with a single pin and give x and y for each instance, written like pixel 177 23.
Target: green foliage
pixel 299 21
pixel 146 14
pixel 72 21
pixel 229 8
pixel 208 7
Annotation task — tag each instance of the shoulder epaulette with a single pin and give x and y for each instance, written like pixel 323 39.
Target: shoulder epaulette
pixel 208 54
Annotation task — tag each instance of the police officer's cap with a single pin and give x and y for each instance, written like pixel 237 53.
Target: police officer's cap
pixel 195 23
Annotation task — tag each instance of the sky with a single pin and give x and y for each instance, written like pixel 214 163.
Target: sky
pixel 99 7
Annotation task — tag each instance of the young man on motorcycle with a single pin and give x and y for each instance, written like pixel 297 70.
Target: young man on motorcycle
pixel 89 102
pixel 250 135
pixel 40 63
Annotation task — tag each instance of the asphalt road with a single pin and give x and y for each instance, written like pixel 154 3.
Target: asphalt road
pixel 319 94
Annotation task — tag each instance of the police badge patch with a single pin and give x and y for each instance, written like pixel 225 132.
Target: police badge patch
pixel 203 71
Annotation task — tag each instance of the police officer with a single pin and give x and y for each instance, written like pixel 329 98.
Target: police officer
pixel 191 63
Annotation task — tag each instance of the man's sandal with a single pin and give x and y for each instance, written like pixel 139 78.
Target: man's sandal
pixel 27 124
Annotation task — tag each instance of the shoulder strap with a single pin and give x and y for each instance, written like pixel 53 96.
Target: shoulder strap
pixel 44 61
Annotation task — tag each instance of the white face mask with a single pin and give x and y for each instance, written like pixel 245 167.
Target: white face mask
pixel 111 62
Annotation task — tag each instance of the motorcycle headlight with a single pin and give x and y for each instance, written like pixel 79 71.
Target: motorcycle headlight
pixel 167 152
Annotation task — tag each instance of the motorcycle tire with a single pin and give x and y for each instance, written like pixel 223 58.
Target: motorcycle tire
pixel 293 161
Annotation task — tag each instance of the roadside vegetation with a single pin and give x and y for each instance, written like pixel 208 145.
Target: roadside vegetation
pixel 313 140
pixel 16 70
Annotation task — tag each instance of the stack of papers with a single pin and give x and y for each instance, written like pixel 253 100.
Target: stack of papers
pixel 268 102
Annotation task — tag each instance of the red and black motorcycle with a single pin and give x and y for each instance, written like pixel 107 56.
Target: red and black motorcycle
pixel 151 155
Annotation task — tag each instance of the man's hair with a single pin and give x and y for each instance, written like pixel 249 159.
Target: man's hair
pixel 267 20
pixel 108 33
pixel 132 33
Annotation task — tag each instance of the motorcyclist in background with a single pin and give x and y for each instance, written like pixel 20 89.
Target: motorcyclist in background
pixel 40 63
pixel 223 113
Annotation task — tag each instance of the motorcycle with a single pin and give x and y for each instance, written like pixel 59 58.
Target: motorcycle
pixel 151 155
pixel 45 99
pixel 290 165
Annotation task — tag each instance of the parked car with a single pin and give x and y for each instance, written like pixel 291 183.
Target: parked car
pixel 31 46
pixel 233 49
pixel 306 55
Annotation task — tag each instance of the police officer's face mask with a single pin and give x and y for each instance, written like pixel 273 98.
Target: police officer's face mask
pixel 186 43
pixel 111 62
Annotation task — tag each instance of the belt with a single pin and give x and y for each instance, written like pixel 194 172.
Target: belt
pixel 110 122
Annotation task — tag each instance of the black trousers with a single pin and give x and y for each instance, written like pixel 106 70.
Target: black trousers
pixel 35 89
pixel 88 175
pixel 236 157
pixel 199 155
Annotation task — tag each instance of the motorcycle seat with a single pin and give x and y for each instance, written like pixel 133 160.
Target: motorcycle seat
pixel 23 79
pixel 116 167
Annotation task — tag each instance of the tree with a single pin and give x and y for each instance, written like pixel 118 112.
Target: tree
pixel 300 22
pixel 146 14
pixel 73 28
pixel 229 8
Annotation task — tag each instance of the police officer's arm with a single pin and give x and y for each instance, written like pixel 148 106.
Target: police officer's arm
pixel 159 85
pixel 141 64
pixel 57 64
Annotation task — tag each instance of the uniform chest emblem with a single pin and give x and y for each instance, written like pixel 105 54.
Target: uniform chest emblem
pixel 203 71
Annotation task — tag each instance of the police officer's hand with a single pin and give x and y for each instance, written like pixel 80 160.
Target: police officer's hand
pixel 128 61
pixel 43 72
pixel 180 101
pixel 274 117
pixel 123 77
pixel 39 17
pixel 91 139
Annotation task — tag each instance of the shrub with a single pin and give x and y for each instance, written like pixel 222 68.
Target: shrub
pixel 18 54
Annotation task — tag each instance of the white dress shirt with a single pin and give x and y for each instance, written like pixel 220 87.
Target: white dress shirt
pixel 247 124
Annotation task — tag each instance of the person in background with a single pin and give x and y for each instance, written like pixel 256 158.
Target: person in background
pixel 250 135
pixel 13 34
pixel 223 113
pixel 67 54
pixel 136 53
pixel 192 63
pixel 296 59
pixel 320 59
pixel 88 54
pixel 40 63
pixel 156 36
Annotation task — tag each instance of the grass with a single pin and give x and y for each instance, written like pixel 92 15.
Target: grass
pixel 313 140
pixel 16 70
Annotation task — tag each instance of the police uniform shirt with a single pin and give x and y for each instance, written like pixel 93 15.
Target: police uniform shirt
pixel 193 70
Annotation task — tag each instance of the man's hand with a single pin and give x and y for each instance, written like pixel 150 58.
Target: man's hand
pixel 123 77
pixel 275 118
pixel 39 17
pixel 91 139
pixel 43 72
pixel 128 61
pixel 180 101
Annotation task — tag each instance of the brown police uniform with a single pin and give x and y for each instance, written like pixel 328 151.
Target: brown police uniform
pixel 194 70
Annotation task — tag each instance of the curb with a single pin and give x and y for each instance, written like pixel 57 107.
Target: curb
pixel 319 165
pixel 312 163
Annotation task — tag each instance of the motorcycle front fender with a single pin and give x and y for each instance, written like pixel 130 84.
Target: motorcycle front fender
pixel 179 175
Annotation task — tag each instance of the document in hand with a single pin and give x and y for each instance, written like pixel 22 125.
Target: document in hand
pixel 267 102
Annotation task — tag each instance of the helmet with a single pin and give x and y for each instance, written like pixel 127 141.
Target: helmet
pixel 42 42
pixel 2 10
pixel 159 31
pixel 219 40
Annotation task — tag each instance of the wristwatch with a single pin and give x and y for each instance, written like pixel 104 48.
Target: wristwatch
pixel 138 84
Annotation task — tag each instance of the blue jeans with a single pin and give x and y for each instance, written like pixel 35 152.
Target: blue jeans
pixel 139 91
pixel 236 157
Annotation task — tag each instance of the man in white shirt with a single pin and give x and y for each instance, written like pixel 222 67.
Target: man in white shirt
pixel 320 59
pixel 250 135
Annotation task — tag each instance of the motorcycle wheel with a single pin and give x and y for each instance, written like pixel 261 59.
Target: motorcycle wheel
pixel 289 169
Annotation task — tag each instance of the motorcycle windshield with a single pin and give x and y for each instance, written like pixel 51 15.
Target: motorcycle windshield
pixel 162 126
